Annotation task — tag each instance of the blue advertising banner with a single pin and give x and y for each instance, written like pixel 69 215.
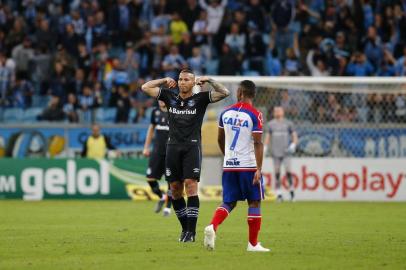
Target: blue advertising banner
pixel 352 142
pixel 40 141
pixel 123 138
pixel 67 141
pixel 31 142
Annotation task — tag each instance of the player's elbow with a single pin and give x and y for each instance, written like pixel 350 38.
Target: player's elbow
pixel 258 144
pixel 144 87
pixel 226 92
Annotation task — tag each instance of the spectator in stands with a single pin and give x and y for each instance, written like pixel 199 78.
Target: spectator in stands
pixel 177 28
pixel 70 109
pixel 84 61
pixel 400 65
pixel 197 62
pixel 21 92
pixel 273 66
pixel 160 38
pixel 215 12
pixel 190 13
pixel 119 21
pixel 400 112
pixel 376 108
pixel 229 62
pixel 200 29
pixel 186 45
pixel 59 81
pixel 146 51
pixel 53 112
pixel 123 105
pixel 387 65
pixel 100 28
pixel 41 71
pixel 130 61
pixel 44 35
pixel 255 49
pixel 235 39
pixel 22 54
pixel 141 101
pixel 292 63
pixel 17 34
pixel 6 78
pixel 77 22
pixel 70 40
pixel 282 15
pixel 173 63
pixel 256 13
pixel 75 86
pixel 318 69
pixel 65 59
pixel 373 47
pixel 117 76
pixel 289 105
pixel 359 65
pixel 332 109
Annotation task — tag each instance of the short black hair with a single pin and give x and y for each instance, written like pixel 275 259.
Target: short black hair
pixel 186 70
pixel 248 88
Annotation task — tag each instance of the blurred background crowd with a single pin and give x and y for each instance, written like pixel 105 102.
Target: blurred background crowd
pixel 85 60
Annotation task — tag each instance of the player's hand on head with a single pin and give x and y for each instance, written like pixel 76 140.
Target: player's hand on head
pixel 257 178
pixel 170 83
pixel 202 80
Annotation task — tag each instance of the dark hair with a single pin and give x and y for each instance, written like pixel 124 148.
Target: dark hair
pixel 248 88
pixel 186 70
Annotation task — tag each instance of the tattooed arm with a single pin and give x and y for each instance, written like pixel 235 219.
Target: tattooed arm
pixel 220 91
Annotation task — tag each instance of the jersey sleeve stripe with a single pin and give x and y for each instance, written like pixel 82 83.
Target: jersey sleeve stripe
pixel 211 101
pixel 159 93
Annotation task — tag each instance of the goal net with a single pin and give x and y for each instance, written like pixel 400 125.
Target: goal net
pixel 334 116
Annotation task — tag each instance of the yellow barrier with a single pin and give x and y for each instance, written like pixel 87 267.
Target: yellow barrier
pixel 206 193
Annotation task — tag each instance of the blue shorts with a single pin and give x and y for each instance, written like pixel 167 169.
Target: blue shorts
pixel 237 186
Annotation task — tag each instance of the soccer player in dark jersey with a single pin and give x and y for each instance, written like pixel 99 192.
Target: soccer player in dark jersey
pixel 183 152
pixel 157 134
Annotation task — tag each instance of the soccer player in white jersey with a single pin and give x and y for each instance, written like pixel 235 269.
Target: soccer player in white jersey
pixel 240 140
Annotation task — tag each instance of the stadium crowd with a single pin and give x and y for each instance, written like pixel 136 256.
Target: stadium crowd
pixel 72 57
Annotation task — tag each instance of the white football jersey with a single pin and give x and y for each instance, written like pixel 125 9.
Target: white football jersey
pixel 239 121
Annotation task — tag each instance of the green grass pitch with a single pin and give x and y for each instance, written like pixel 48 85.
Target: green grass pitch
pixel 128 235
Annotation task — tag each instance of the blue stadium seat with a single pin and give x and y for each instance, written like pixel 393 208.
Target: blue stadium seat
pixel 99 115
pixel 147 116
pixel 132 116
pixel 30 115
pixel 40 101
pixel 251 73
pixel 13 115
pixel 105 115
pixel 212 67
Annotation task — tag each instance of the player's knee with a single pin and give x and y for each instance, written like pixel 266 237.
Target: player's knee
pixel 191 187
pixel 232 205
pixel 176 190
pixel 254 204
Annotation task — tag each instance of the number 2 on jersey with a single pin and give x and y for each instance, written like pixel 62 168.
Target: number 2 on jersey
pixel 237 133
